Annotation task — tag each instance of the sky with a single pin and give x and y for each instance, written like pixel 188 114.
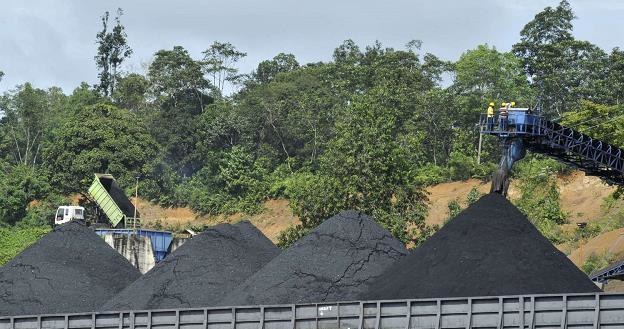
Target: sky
pixel 52 42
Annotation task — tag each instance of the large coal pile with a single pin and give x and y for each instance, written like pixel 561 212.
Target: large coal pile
pixel 69 270
pixel 488 249
pixel 201 271
pixel 334 262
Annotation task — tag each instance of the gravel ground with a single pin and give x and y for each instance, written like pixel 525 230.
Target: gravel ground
pixel 201 271
pixel 489 249
pixel 71 269
pixel 334 262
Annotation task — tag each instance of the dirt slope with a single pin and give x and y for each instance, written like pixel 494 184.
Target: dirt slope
pixel 610 242
pixel 276 217
pixel 581 196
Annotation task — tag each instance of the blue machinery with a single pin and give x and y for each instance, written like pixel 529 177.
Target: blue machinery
pixel 524 130
pixel 160 239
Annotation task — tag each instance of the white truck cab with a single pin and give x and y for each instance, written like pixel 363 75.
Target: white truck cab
pixel 65 214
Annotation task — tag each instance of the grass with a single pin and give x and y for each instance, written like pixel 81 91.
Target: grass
pixel 15 240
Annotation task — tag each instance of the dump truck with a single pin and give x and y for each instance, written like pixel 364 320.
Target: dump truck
pixel 66 214
pixel 114 207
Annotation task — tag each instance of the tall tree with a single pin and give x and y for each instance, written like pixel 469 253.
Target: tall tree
pixel 219 63
pixel 562 70
pixel 28 113
pixel 615 80
pixel 99 139
pixel 368 166
pixel 267 70
pixel 179 87
pixel 113 49
pixel 1 75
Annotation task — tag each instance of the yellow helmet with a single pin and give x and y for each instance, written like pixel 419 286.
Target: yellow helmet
pixel 503 104
pixel 513 103
pixel 491 103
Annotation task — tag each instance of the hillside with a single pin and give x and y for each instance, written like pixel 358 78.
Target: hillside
pixel 581 197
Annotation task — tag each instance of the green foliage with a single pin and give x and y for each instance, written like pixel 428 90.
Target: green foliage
pixel 313 197
pixel 596 262
pixel 603 122
pixel 234 182
pixel 41 213
pixel 269 69
pixel 539 198
pixel 19 185
pixel 218 63
pixel 473 195
pixel 454 208
pixel 15 240
pixel 113 49
pixel 99 139
pixel 368 166
pixel 290 235
pixel 563 70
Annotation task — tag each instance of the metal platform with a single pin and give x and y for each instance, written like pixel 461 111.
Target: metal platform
pixel 593 156
pixel 534 311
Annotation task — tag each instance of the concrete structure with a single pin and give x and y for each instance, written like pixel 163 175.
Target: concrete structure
pixel 135 248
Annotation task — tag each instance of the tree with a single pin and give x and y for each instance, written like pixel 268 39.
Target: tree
pixel 19 185
pixel 99 139
pixel 132 92
pixel 1 75
pixel 615 80
pixel 173 73
pixel 178 86
pixel 269 69
pixel 562 70
pixel 27 117
pixel 218 63
pixel 113 49
pixel 490 75
pixel 369 166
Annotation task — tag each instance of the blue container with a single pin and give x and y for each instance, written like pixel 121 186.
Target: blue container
pixel 160 239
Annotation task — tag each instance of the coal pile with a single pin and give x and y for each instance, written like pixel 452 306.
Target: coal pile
pixel 201 271
pixel 68 270
pixel 489 249
pixel 334 262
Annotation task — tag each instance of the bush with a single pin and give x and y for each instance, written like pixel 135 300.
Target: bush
pixel 234 182
pixel 15 240
pixel 42 213
pixel 454 208
pixel 539 199
pixel 430 174
pixel 595 262
pixel 473 195
pixel 290 235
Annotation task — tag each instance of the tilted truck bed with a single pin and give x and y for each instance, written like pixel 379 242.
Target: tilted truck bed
pixel 111 199
pixel 599 310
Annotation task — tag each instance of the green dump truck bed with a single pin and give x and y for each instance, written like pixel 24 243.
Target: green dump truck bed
pixel 111 199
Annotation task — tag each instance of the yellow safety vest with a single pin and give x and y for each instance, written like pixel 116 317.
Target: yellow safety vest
pixel 490 112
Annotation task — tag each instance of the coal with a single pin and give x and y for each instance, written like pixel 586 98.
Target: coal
pixel 201 271
pixel 71 269
pixel 489 249
pixel 336 261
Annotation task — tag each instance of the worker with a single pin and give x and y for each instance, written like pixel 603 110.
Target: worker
pixel 490 117
pixel 503 116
